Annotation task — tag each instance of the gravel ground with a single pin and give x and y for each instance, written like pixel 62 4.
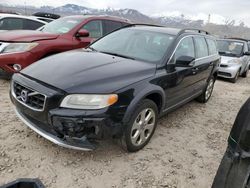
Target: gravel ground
pixel 184 152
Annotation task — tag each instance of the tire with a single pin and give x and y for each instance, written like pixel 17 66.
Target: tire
pixel 234 80
pixel 244 75
pixel 134 138
pixel 207 93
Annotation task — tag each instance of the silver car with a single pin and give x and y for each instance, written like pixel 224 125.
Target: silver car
pixel 235 59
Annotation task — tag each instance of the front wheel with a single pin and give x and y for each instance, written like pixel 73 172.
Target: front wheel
pixel 244 75
pixel 140 127
pixel 234 80
pixel 207 93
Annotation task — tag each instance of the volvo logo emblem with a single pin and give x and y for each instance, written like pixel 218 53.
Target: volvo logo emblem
pixel 24 96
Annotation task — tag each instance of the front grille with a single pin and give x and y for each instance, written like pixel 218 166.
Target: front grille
pixel 29 97
pixel 224 74
pixel 221 65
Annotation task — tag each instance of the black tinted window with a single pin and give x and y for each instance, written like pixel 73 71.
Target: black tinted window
pixel 212 46
pixel 201 47
pixel 110 26
pixel 32 25
pixel 185 48
pixel 11 23
pixel 94 28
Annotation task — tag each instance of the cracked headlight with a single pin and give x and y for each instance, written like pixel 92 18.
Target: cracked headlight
pixel 88 101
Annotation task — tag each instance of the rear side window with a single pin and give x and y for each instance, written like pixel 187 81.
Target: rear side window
pixel 212 46
pixel 185 48
pixel 200 47
pixel 110 26
pixel 94 28
pixel 11 23
pixel 31 25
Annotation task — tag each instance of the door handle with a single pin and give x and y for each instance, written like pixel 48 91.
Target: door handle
pixel 195 70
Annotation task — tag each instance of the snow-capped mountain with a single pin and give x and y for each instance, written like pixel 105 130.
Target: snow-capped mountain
pixel 173 19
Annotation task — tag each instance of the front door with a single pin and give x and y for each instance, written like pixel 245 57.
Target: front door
pixel 178 83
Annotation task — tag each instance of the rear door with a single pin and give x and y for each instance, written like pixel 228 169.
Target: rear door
pixel 203 63
pixel 109 26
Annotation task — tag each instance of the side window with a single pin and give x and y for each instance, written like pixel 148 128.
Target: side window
pixel 110 26
pixel 11 24
pixel 212 46
pixel 31 25
pixel 94 28
pixel 185 48
pixel 201 47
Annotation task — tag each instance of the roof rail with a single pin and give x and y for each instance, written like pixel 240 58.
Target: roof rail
pixel 141 24
pixel 193 30
pixel 238 38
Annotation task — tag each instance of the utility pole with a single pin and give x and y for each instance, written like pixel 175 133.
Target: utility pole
pixel 25 8
pixel 209 18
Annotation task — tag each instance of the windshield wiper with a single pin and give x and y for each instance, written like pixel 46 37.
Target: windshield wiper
pixel 93 49
pixel 118 55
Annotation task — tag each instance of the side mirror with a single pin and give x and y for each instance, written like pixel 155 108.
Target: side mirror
pixel 82 33
pixel 184 61
pixel 247 53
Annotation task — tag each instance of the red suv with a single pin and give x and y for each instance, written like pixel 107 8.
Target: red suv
pixel 19 49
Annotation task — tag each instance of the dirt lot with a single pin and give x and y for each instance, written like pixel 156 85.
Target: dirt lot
pixel 184 152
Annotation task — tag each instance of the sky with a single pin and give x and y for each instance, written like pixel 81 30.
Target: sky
pixel 220 10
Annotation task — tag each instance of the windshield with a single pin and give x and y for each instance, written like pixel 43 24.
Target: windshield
pixel 230 48
pixel 62 25
pixel 136 44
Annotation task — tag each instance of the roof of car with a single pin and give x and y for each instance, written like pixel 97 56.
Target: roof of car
pixel 235 40
pixel 20 16
pixel 241 39
pixel 171 31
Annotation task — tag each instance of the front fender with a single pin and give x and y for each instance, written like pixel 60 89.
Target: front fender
pixel 142 94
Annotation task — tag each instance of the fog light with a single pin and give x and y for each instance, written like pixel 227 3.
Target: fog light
pixel 17 67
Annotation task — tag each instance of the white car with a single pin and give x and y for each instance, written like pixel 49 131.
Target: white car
pixel 235 59
pixel 18 22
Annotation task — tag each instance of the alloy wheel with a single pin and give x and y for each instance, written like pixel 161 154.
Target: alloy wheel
pixel 209 90
pixel 143 127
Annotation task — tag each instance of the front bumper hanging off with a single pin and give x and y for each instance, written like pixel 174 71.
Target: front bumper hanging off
pixel 72 143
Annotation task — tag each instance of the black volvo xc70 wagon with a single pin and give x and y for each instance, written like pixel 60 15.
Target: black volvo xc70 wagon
pixel 119 86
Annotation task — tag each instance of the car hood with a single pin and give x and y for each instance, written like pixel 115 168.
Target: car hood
pixel 25 36
pixel 82 71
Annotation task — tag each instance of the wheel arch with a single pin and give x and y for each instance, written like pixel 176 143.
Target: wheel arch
pixel 156 94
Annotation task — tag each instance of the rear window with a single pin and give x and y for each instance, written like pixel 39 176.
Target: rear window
pixel 32 25
pixel 212 46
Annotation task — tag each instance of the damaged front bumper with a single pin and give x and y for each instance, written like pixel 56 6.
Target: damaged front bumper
pixel 69 128
pixel 68 142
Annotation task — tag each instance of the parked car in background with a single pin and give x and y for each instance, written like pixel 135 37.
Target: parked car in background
pixel 22 48
pixel 234 59
pixel 18 22
pixel 119 86
pixel 47 17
